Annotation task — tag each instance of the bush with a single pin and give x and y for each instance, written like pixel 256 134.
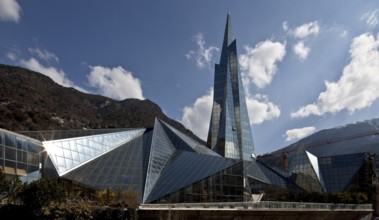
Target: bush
pixel 41 192
pixel 69 211
pixel 106 197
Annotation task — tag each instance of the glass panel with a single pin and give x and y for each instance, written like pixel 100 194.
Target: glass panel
pixel 32 159
pixel 32 169
pixel 21 156
pixel 10 153
pixel 61 162
pixel 10 167
pixel 1 138
pixel 33 147
pixel 75 156
pixel 10 140
pixel 2 151
pixel 19 142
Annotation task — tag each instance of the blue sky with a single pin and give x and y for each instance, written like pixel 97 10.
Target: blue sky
pixel 306 65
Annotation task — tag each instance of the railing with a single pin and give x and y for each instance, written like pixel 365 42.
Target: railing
pixel 259 206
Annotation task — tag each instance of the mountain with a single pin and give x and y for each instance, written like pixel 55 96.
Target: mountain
pixel 32 101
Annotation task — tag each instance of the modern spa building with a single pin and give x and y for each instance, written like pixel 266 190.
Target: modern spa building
pixel 164 165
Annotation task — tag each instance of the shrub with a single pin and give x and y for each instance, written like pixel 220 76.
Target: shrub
pixel 106 197
pixel 69 211
pixel 41 192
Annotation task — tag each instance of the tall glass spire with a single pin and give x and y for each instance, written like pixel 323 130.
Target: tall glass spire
pixel 229 130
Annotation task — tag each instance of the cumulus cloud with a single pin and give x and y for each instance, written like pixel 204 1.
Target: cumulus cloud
pixel 298 133
pixel 371 18
pixel 44 54
pixel 358 86
pixel 302 33
pixel 203 56
pixel 115 82
pixel 301 50
pixel 260 109
pixel 196 117
pixel 305 30
pixel 59 76
pixel 10 10
pixel 259 63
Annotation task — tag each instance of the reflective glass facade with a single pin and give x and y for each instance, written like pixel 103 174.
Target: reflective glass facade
pixel 224 186
pixel 157 163
pixel 176 161
pixel 20 156
pixel 67 154
pixel 229 130
pixel 320 174
pixel 119 169
pixel 164 165
pixel 187 168
pixel 338 172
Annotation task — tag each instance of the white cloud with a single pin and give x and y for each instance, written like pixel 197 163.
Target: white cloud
pixel 259 63
pixel 306 30
pixel 358 86
pixel 298 133
pixel 260 109
pixel 301 50
pixel 203 56
pixel 55 74
pixel 285 25
pixel 12 56
pixel 10 10
pixel 371 18
pixel 343 33
pixel 302 33
pixel 116 82
pixel 196 117
pixel 44 54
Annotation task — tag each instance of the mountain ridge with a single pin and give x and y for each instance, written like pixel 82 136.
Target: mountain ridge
pixel 31 101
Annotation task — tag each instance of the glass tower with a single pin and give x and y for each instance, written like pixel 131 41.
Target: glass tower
pixel 229 130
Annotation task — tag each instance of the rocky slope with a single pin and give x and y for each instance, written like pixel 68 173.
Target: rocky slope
pixel 32 101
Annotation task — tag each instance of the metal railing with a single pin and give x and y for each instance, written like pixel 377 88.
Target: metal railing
pixel 259 206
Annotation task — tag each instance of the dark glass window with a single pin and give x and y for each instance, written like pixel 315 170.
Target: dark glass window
pixel 10 153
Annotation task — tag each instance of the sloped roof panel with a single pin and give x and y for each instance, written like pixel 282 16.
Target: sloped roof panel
pixel 186 168
pixel 118 169
pixel 338 171
pixel 69 154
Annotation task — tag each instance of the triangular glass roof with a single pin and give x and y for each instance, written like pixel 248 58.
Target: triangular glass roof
pixel 188 143
pixel 118 169
pixel 303 171
pixel 69 154
pixel 160 152
pixel 253 170
pixel 186 168
pixel 337 172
